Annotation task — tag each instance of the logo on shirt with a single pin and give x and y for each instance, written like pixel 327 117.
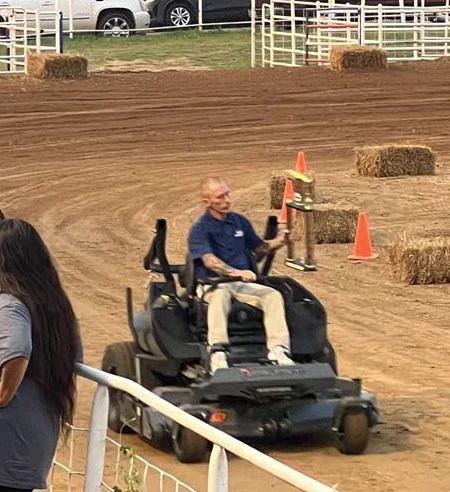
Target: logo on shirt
pixel 239 233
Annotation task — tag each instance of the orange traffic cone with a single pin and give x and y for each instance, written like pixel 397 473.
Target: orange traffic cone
pixel 287 195
pixel 362 249
pixel 300 165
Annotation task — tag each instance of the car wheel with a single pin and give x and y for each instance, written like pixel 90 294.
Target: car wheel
pixel 189 447
pixel 116 25
pixel 353 435
pixel 179 15
pixel 118 359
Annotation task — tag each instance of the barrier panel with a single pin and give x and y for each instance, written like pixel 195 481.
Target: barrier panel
pixel 295 33
pixel 21 33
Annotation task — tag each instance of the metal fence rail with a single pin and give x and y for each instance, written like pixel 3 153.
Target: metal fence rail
pixel 20 34
pixel 218 467
pixel 67 471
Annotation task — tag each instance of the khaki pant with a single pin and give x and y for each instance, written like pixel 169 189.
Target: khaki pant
pixel 269 300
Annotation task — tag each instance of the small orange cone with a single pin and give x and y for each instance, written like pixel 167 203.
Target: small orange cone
pixel 287 195
pixel 362 249
pixel 300 165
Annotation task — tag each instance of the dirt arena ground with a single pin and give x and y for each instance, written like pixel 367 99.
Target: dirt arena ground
pixel 92 163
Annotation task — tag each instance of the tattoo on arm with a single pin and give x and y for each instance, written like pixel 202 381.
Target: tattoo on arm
pixel 216 265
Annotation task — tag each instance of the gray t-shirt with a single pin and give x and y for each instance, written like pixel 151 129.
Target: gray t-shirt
pixel 28 431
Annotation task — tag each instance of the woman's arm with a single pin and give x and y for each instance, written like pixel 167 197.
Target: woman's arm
pixel 12 375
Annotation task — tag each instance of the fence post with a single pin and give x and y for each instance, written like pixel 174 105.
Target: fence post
pixel 12 41
pixel 38 31
pixel 293 35
pixel 218 470
pixel 95 457
pixel 253 32
pixel 200 15
pixel 271 33
pixel 71 19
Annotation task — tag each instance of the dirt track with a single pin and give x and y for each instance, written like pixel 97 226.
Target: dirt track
pixel 93 163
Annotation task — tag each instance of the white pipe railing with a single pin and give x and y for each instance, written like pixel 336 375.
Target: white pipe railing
pixel 23 35
pixel 405 33
pixel 218 479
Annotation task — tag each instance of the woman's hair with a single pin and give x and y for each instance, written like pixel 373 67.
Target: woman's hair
pixel 27 272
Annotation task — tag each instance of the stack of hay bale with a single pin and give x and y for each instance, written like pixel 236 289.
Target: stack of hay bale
pixel 353 56
pixel 421 258
pixel 54 66
pixel 333 222
pixel 418 258
pixel 383 161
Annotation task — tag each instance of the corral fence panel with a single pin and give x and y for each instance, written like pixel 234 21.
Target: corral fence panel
pixel 21 32
pixel 297 33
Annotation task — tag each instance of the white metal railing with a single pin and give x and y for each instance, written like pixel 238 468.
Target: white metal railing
pixel 297 32
pixel 222 442
pixel 125 467
pixel 21 33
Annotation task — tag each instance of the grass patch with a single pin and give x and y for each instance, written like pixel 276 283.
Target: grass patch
pixel 184 49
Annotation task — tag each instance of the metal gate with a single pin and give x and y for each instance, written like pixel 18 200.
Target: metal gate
pixel 301 32
pixel 21 33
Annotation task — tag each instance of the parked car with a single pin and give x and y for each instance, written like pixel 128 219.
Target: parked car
pixel 115 17
pixel 178 13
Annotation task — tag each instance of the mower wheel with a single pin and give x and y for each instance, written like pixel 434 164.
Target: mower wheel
pixel 189 447
pixel 118 359
pixel 354 433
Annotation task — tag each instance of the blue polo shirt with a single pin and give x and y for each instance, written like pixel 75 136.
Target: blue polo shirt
pixel 231 240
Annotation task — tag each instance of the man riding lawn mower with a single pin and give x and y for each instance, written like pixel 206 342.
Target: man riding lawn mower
pixel 253 395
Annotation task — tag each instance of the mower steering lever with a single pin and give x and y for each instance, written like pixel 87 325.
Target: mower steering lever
pixel 214 281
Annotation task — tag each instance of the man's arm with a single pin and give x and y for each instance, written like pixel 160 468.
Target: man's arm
pixel 216 265
pixel 269 245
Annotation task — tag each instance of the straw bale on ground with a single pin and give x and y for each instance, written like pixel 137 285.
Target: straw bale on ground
pixel 381 161
pixel 277 184
pixel 353 56
pixel 50 65
pixel 422 258
pixel 333 223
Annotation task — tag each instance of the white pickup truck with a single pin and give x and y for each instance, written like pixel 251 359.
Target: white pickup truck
pixel 115 17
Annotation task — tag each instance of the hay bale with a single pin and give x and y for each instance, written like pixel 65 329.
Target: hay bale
pixel 54 66
pixel 344 57
pixel 394 160
pixel 276 189
pixel 278 182
pixel 421 258
pixel 333 223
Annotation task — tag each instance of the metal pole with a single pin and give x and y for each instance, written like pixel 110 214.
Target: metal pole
pixel 61 33
pixel 71 19
pixel 218 470
pixel 293 33
pixel 253 33
pixel 271 33
pixel 95 459
pixel 58 27
pixel 38 31
pixel 200 15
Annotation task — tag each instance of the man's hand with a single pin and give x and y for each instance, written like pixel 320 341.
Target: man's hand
pixel 279 241
pixel 246 275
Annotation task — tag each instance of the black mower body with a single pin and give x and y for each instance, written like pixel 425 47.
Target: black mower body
pixel 253 398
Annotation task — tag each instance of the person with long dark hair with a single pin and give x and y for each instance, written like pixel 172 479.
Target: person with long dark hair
pixel 39 344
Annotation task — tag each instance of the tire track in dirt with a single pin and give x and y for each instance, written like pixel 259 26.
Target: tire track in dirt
pixel 93 163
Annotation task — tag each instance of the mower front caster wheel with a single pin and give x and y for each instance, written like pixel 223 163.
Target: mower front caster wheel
pixel 353 435
pixel 189 447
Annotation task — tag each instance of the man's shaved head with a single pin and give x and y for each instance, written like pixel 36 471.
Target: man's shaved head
pixel 210 184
